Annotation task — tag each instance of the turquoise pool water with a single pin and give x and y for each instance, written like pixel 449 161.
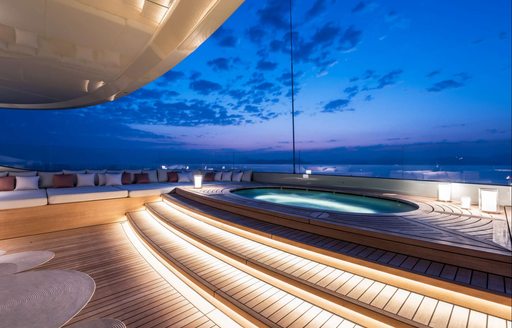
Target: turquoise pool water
pixel 327 201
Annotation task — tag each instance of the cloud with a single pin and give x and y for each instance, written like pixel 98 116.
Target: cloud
pixel 369 74
pixel 325 34
pixel 154 94
pixel 496 131
pixel 274 15
pixel 398 138
pixel 396 20
pixel 338 105
pixel 350 39
pixel 388 79
pixel 237 93
pixel 264 86
pixel 433 73
pixel 371 80
pixel 351 91
pixel 445 84
pixel 256 34
pixel 223 64
pixel 194 75
pixel 454 125
pixel 219 64
pixel 320 48
pixel 205 87
pixel 280 45
pixel 170 77
pixel 317 8
pixel 266 65
pixel 256 78
pixel 225 37
pixel 252 109
pixel 360 6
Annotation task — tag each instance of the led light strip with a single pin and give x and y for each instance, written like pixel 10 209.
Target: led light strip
pixel 213 313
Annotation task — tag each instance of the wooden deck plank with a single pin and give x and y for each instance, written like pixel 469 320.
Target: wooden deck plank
pixel 425 310
pixel 410 307
pixel 127 287
pixel 459 317
pixel 441 315
pixel 477 319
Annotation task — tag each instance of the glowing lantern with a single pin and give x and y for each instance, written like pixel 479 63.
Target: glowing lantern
pixel 465 202
pixel 488 200
pixel 198 181
pixel 444 192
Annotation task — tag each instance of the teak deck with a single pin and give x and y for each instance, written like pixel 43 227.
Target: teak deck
pixel 263 266
pixel 346 287
pixel 408 232
pixel 127 288
pixel 394 262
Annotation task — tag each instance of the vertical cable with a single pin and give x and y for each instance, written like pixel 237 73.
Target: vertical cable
pixel 293 92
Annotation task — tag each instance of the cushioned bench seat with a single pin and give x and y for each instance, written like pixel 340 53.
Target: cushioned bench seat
pixel 82 194
pixel 22 198
pixel 149 189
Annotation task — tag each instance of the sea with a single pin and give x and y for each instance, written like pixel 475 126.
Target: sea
pixel 483 174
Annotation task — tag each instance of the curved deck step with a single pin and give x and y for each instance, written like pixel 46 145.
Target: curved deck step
pixel 495 288
pixel 393 233
pixel 341 286
pixel 321 280
pixel 259 302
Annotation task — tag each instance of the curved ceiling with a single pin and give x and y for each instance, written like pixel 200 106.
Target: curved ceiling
pixel 75 53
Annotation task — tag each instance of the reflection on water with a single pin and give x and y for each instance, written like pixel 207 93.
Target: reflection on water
pixel 328 201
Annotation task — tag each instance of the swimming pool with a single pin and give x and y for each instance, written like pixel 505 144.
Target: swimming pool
pixel 327 201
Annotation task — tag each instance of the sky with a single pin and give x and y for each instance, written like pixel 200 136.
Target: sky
pixel 376 82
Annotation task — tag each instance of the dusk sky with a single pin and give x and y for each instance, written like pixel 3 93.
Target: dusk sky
pixel 430 74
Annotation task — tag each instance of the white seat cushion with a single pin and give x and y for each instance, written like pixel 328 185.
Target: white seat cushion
pixel 113 179
pixel 23 198
pixel 148 189
pixel 162 175
pixel 247 176
pixel 85 180
pixel 27 183
pixel 236 177
pixel 83 194
pixel 226 176
pixel 184 177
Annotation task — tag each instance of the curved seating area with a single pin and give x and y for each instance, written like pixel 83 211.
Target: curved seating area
pixel 45 193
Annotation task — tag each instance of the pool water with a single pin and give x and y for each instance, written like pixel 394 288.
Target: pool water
pixel 327 201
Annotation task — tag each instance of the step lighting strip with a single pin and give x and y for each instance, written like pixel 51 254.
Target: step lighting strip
pixel 203 305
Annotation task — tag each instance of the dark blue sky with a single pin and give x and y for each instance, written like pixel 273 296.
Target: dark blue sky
pixel 369 75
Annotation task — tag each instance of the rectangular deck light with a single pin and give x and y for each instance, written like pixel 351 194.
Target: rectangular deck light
pixel 309 172
pixel 488 200
pixel 444 192
pixel 465 202
pixel 198 181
